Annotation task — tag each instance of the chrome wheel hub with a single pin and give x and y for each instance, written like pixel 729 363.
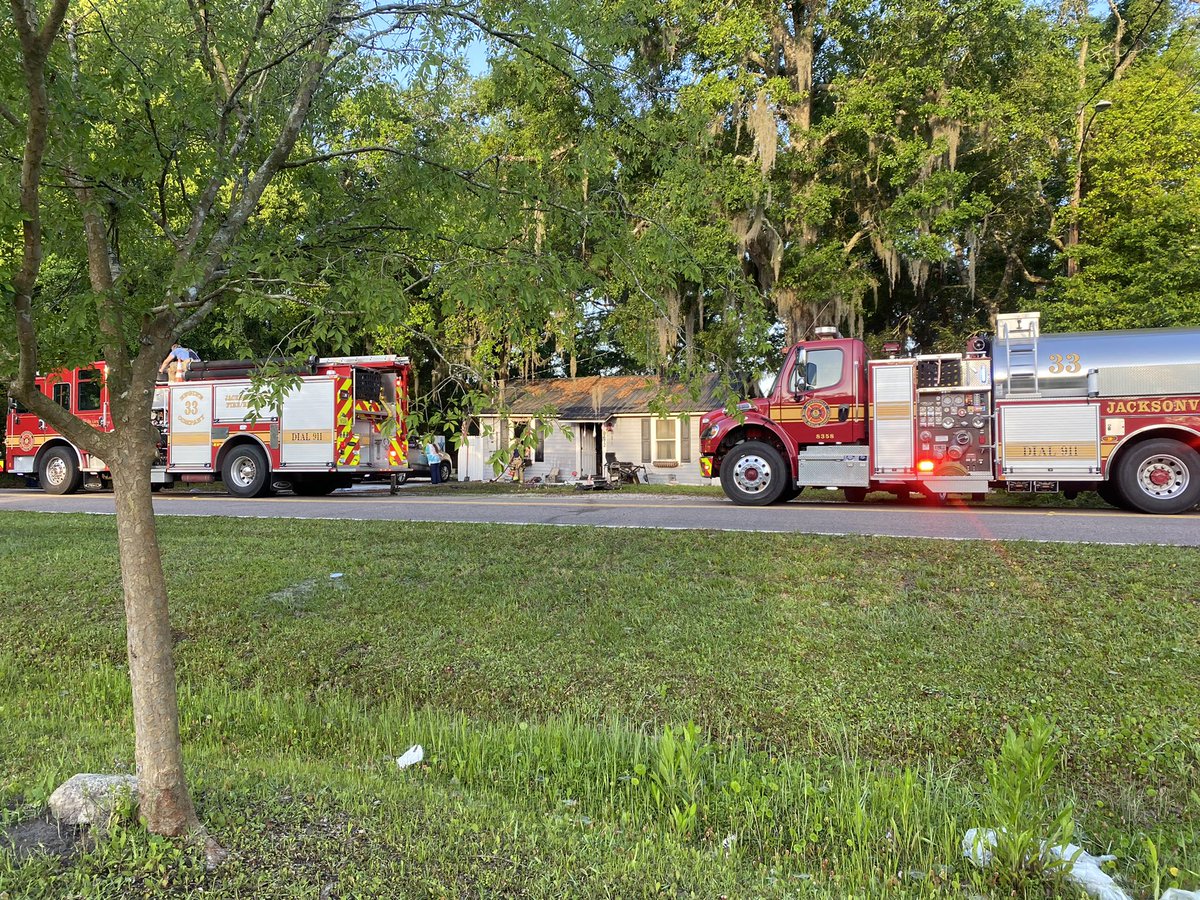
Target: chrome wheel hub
pixel 245 471
pixel 752 474
pixel 1163 476
pixel 56 471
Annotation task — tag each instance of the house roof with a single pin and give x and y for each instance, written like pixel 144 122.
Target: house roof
pixel 597 397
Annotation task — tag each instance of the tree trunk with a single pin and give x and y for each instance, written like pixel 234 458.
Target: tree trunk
pixel 163 799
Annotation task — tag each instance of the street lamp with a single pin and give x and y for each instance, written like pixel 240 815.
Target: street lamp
pixel 1077 194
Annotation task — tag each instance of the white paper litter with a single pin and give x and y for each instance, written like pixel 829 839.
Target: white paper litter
pixel 410 757
pixel 1078 865
pixel 1177 894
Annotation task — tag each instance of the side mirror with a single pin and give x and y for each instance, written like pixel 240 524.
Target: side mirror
pixel 799 376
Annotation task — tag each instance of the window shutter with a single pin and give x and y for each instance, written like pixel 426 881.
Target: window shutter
pixel 646 440
pixel 685 439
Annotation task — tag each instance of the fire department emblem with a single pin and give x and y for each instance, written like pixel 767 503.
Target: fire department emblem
pixel 815 413
pixel 189 407
pixel 26 441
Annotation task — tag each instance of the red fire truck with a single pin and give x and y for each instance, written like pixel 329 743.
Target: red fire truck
pixel 1115 412
pixel 342 421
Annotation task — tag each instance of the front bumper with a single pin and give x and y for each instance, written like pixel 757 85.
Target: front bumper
pixel 706 467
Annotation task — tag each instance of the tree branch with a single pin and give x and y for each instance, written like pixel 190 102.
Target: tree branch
pixel 248 202
pixel 35 47
pixel 9 117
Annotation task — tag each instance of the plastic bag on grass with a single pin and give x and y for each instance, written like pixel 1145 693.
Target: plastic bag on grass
pixel 410 757
pixel 1078 866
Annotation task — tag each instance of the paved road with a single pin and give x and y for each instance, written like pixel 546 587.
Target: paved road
pixel 647 511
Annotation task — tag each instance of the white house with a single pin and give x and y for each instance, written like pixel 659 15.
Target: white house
pixel 637 418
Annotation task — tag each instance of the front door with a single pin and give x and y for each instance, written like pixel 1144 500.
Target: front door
pixel 818 399
pixel 588 448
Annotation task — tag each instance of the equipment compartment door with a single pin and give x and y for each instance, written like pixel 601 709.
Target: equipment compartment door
pixel 306 426
pixel 892 419
pixel 190 443
pixel 1049 440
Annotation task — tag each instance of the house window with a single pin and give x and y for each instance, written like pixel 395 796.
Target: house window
pixel 666 434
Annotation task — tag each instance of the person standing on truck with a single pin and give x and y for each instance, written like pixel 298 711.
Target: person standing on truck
pixel 178 361
pixel 434 457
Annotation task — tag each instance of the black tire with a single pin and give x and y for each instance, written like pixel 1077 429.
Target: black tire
pixel 246 472
pixel 790 493
pixel 444 470
pixel 1160 476
pixel 59 472
pixel 855 494
pixel 400 477
pixel 1110 493
pixel 754 474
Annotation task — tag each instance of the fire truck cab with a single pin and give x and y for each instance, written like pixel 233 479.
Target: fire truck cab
pixel 341 420
pixel 1115 412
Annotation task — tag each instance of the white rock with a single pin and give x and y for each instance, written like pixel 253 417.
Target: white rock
pixel 410 757
pixel 89 799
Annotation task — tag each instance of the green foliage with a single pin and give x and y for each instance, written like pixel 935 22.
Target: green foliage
pixel 1139 251
pixel 1019 806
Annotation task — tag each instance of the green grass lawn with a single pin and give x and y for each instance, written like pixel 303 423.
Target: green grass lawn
pixel 847 696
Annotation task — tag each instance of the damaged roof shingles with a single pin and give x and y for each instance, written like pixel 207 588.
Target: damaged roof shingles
pixel 597 397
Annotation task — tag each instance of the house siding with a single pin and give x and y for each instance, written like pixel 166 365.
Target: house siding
pixel 563 453
pixel 625 440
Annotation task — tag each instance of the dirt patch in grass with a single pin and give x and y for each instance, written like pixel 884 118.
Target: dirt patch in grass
pixel 43 836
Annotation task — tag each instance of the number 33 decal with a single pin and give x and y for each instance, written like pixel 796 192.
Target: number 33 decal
pixel 1060 363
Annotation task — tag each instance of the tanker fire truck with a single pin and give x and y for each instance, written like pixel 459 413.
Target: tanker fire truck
pixel 342 421
pixel 1114 412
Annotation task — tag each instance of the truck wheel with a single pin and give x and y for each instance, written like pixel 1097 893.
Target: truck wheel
pixel 790 493
pixel 854 494
pixel 754 474
pixel 59 472
pixel 246 472
pixel 1160 476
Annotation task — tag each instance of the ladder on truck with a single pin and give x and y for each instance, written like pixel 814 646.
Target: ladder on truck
pixel 1020 331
